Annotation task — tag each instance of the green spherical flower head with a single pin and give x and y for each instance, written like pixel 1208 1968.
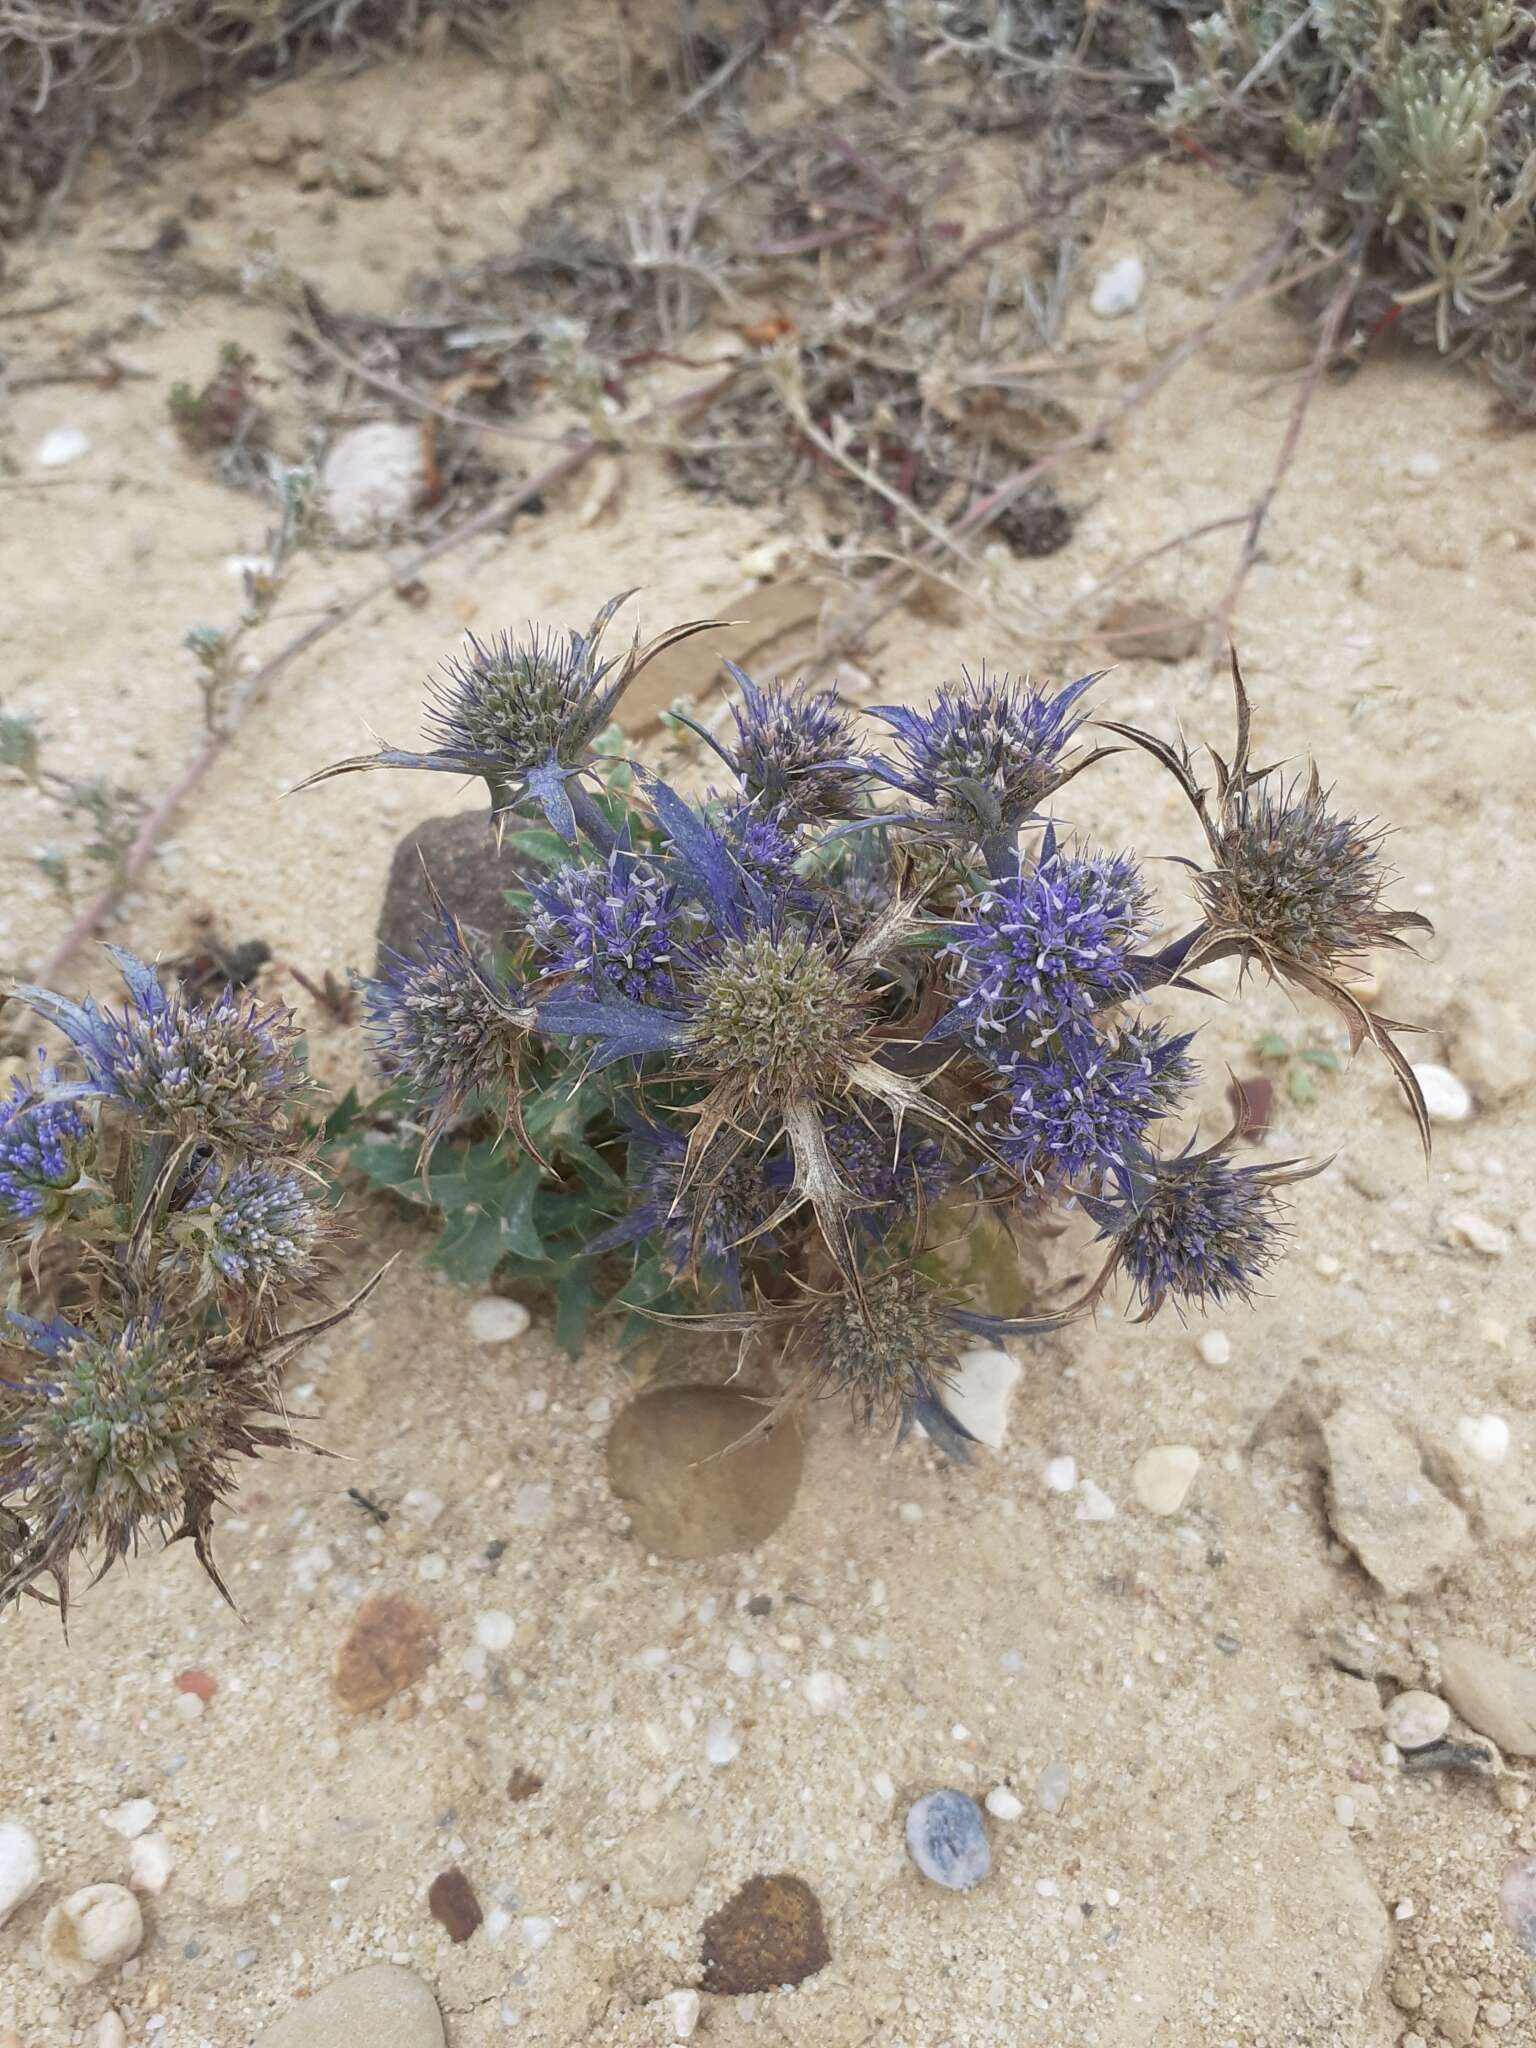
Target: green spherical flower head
pixel 887 1346
pixel 113 1434
pixel 778 1012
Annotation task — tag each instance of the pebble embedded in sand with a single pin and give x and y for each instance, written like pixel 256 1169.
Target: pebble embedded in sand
pixel 1060 1475
pixel 383 2005
pixel 496 1320
pixel 60 445
pixel 1093 1503
pixel 948 1841
pixel 683 2013
pixel 1055 1783
pixel 1163 1476
pixel 1215 1347
pixel 1492 1694
pixel 150 1863
pixel 660 1862
pixel 494 1630
pixel 1491 1240
pixel 97 1928
pixel 1416 1719
pixel 698 1473
pixel 132 1818
pixel 1446 1096
pixel 1485 1436
pixel 1118 287
pixel 980 1390
pixel 1003 1804
pixel 722 1745
pixel 825 1691
pixel 21 1867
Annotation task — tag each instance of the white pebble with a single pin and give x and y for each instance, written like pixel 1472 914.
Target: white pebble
pixel 683 2012
pixel 1117 289
pixel 497 1921
pixel 1404 1910
pixel 110 2031
pixel 432 1567
pixel 236 1886
pixel 1060 1475
pixel 21 1866
pixel 423 1505
pixel 1345 1811
pixel 150 1864
pixel 1216 1347
pixel 1163 1476
pixel 495 1320
pixel 825 1691
pixel 1047 1887
pixel 885 1786
pixel 1095 1504
pixel 537 1931
pixel 1326 1266
pixel 61 445
pixel 1491 1239
pixel 1055 1783
pixel 979 1393
pixel 1416 1719
pixel 1446 1096
pixel 1424 464
pixel 1002 1804
pixel 309 1566
pixel 1485 1436
pixel 722 1745
pixel 600 1409
pixel 740 1661
pixel 910 1511
pixel 188 1706
pixel 132 1817
pixel 494 1630
pixel 94 1929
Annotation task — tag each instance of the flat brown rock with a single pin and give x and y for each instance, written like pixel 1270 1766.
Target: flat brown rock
pixel 694 1488
pixel 452 1903
pixel 769 1933
pixel 392 1642
pixel 1491 1693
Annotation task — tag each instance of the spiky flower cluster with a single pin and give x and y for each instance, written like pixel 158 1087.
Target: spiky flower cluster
pixel 46 1151
pixel 168 1185
pixel 846 1001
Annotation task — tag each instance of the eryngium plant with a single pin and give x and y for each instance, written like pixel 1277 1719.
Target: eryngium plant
pixel 160 1221
pixel 775 1043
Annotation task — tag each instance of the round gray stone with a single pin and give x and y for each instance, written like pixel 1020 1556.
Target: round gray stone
pixel 380 2007
pixel 947 1839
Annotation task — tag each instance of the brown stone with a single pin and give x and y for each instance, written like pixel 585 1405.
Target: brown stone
pixel 1151 632
pixel 470 875
pixel 679 1460
pixel 451 1898
pixel 390 1644
pixel 523 1784
pixel 768 1934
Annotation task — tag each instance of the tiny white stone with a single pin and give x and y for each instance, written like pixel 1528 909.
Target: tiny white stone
pixel 61 445
pixel 959 1733
pixel 188 1706
pixel 131 1818
pixel 722 1745
pixel 110 2031
pixel 432 1567
pixel 740 1661
pixel 885 1786
pixel 1216 1347
pixel 1095 1504
pixel 1485 1436
pixel 95 1929
pixel 423 1505
pixel 1002 1805
pixel 1446 1096
pixel 600 1409
pixel 495 1320
pixel 683 2012
pixel 497 1921
pixel 1047 1887
pixel 1117 289
pixel 1055 1783
pixel 825 1691
pixel 1345 1811
pixel 494 1630
pixel 1060 1475
pixel 1403 1910
pixel 1326 1266
pixel 236 1886
pixel 910 1511
pixel 21 1866
pixel 536 1930
pixel 1163 1476
pixel 150 1863
pixel 1491 1239
pixel 1424 464
pixel 1416 1719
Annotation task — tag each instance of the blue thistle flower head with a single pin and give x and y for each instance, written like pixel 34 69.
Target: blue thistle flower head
pixel 523 713
pixel 442 1024
pixel 612 925
pixel 1079 1103
pixel 702 1221
pixel 987 754
pixel 762 847
pixel 47 1150
pixel 1191 1227
pixel 258 1226
pixel 1049 946
pixel 226 1070
pixel 887 1175
pixel 794 750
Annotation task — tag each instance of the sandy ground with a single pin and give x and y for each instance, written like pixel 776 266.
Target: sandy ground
pixel 1237 1861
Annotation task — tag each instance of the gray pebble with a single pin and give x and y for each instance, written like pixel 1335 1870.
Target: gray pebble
pixel 1054 1786
pixel 948 1841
